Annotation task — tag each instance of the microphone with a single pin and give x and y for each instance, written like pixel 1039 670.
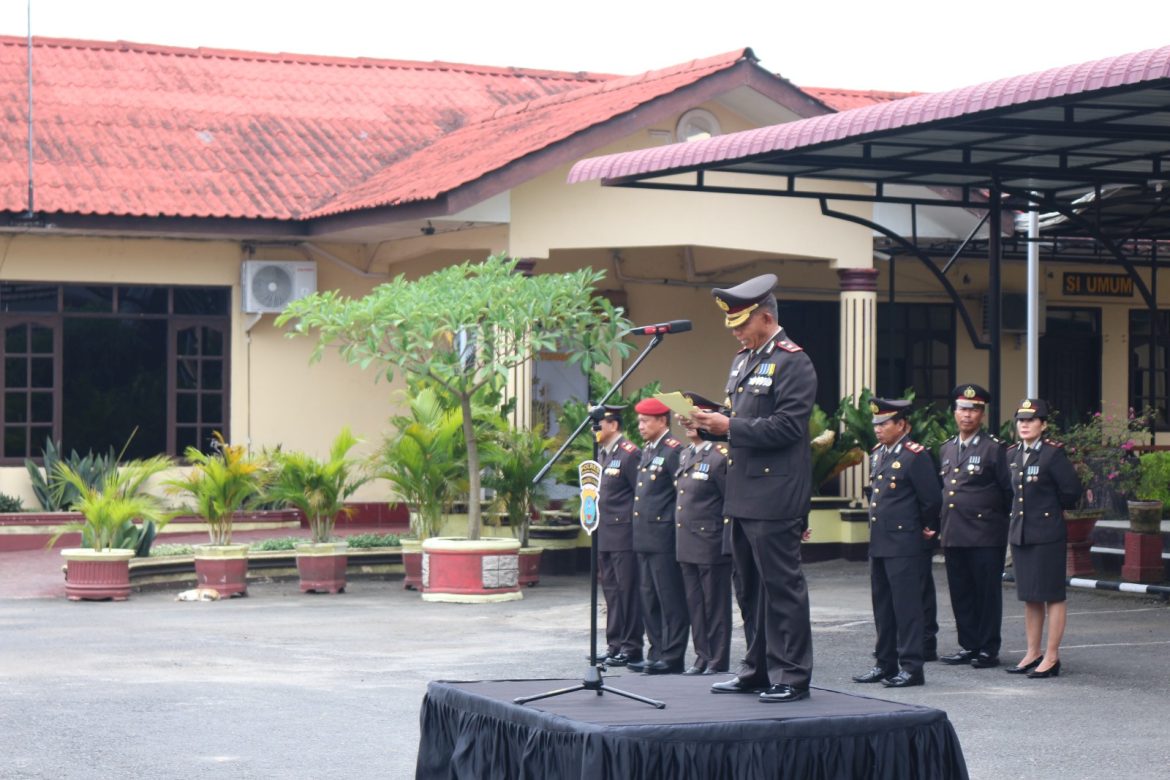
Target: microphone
pixel 674 326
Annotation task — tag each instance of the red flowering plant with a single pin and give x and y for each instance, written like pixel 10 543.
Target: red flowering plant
pixel 1102 450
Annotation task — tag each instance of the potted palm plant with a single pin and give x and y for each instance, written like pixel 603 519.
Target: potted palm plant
pixel 466 329
pixel 221 483
pixel 518 455
pixel 101 569
pixel 421 462
pixel 319 488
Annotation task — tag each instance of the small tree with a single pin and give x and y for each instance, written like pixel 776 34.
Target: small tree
pixel 318 487
pixel 465 328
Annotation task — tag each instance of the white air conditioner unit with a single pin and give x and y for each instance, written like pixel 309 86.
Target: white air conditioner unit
pixel 270 285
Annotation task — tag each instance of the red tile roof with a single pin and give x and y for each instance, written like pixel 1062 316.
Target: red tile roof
pixel 515 131
pixel 844 99
pixel 1112 72
pixel 132 129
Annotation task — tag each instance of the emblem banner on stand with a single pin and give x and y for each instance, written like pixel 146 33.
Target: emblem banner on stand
pixel 589 478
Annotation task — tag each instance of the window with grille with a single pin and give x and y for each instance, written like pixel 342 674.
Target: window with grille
pixel 95 366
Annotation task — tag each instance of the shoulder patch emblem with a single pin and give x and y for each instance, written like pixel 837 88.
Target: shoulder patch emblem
pixel 914 447
pixel 629 446
pixel 672 442
pixel 722 449
pixel 789 346
pixel 1053 443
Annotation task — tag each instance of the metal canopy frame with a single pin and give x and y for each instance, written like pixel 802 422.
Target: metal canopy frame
pixel 1093 160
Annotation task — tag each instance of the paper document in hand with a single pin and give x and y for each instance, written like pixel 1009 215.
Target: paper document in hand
pixel 677 403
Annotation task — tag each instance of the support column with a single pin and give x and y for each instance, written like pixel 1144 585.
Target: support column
pixel 858 351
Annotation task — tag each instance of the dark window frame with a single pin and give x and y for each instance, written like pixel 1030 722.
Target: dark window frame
pixel 217 318
pixel 1139 392
pixel 909 334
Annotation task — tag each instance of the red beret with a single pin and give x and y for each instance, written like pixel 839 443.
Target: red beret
pixel 651 406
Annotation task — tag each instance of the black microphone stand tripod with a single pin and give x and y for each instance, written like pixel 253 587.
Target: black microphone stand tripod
pixel 593 680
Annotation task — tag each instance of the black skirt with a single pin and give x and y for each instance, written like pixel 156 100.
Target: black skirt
pixel 1040 571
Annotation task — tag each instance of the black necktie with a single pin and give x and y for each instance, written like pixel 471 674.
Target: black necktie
pixel 962 447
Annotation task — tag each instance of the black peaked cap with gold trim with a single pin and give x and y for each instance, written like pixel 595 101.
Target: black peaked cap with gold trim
pixel 740 301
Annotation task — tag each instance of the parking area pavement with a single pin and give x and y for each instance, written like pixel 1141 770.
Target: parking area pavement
pixel 281 684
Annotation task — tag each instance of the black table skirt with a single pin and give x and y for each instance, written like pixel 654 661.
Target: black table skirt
pixel 473 731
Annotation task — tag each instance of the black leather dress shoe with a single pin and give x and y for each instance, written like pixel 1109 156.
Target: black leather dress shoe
pixel 904 679
pixel 662 667
pixel 985 661
pixel 957 658
pixel 695 670
pixel 1025 668
pixel 876 674
pixel 1053 671
pixel 783 693
pixel 638 666
pixel 736 685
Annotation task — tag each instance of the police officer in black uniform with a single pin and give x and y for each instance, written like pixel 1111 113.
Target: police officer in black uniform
pixel 903 516
pixel 616 562
pixel 664 607
pixel 976 497
pixel 703 549
pixel 770 395
pixel 1044 484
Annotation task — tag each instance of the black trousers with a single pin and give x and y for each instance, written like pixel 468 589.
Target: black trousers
pixel 708 588
pixel 929 606
pixel 975 580
pixel 896 590
pixel 664 607
pixel 618 572
pixel 766 555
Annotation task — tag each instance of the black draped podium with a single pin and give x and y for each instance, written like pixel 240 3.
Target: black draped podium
pixel 472 730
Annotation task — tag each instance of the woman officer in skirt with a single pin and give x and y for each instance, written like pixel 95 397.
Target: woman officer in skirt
pixel 1044 484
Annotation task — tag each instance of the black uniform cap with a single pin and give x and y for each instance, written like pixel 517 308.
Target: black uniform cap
pixel 1032 407
pixel 740 301
pixel 885 409
pixel 970 396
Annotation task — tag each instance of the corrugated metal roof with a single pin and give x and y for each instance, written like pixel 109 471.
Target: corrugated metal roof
pixel 935 140
pixel 139 130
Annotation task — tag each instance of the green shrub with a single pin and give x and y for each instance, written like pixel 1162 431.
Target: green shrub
pixel 161 550
pixel 10 503
pixel 277 544
pixel 1154 483
pixel 362 541
pixel 54 493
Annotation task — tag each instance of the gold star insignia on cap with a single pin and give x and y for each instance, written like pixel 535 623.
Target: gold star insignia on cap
pixel 969 392
pixel 1026 404
pixel 873 408
pixel 722 304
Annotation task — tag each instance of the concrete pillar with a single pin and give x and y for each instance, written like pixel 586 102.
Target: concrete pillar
pixel 858 350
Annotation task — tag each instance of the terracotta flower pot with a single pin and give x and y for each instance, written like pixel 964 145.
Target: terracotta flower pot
pixel 97 575
pixel 412 558
pixel 470 571
pixel 1079 526
pixel 529 566
pixel 223 568
pixel 1145 517
pixel 322 567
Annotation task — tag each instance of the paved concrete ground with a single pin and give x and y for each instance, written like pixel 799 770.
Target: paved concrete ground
pixel 286 685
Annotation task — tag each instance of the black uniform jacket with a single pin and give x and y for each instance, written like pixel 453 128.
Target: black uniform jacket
pixel 654 497
pixel 977 492
pixel 699 484
pixel 619 475
pixel 905 499
pixel 1044 488
pixel 770 395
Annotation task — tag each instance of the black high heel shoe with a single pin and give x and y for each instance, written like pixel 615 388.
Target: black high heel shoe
pixel 1026 669
pixel 1053 672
